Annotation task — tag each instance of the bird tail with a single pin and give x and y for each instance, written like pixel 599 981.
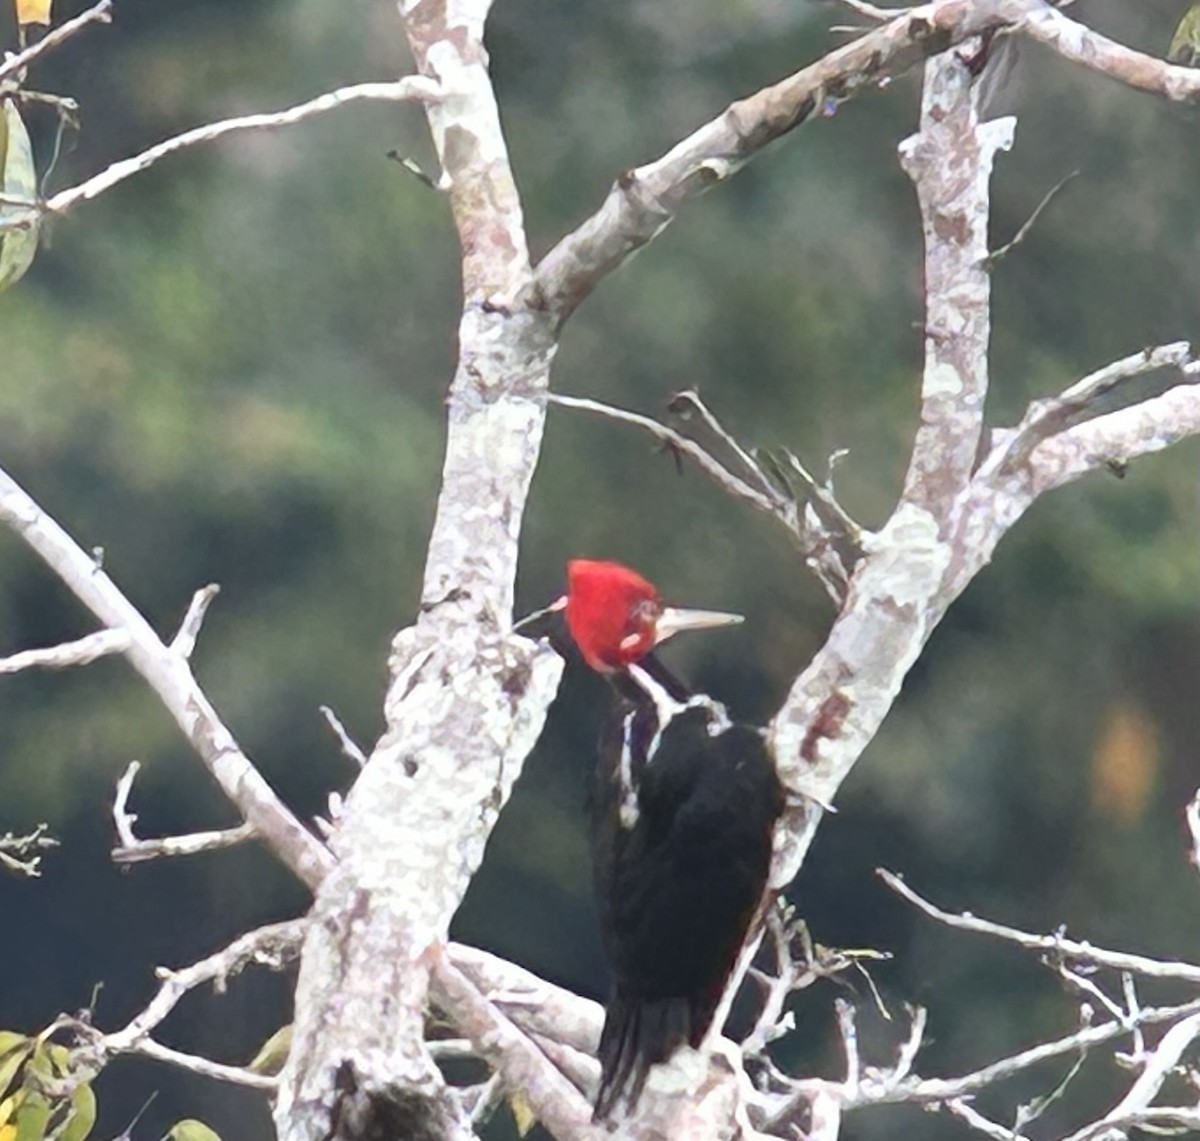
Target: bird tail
pixel 639 1033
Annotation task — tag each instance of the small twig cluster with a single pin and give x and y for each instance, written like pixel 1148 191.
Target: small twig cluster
pixel 1106 1015
pixel 23 854
pixel 776 483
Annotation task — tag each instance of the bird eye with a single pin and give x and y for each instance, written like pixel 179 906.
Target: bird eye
pixel 643 613
pixel 639 627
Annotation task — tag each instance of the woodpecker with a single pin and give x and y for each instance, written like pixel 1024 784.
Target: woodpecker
pixel 683 814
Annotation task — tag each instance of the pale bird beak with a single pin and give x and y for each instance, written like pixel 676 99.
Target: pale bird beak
pixel 672 621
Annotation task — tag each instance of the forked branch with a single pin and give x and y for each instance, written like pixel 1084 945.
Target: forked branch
pixel 169 674
pixel 134 850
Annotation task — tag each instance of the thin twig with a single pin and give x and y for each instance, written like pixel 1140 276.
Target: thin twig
pixel 273 946
pixel 81 652
pixel 1193 820
pixel 349 746
pixel 1163 1059
pixel 690 398
pixel 554 1098
pixel 811 531
pixel 22 854
pixel 488 1097
pixel 907 1057
pixel 169 675
pixel 737 487
pixel 996 255
pixel 1165 1119
pixel 969 1115
pixel 205 1067
pixel 407 89
pixel 1082 983
pixel 447 1048
pixel 184 642
pixel 873 11
pixel 16 64
pixel 1058 946
pixel 133 850
pixel 1043 418
pixel 849 1035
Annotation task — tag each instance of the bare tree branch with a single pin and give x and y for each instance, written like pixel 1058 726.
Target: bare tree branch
pixel 22 854
pixel 997 255
pixel 523 1066
pixel 772 504
pixel 1163 1059
pixel 1193 821
pixel 83 651
pixel 184 642
pixel 467 697
pixel 818 526
pixel 871 11
pixel 950 161
pixel 643 201
pixel 536 1006
pixel 272 946
pixel 965 1112
pixel 1054 414
pixel 1057 946
pixel 411 88
pixel 133 850
pixel 349 746
pixel 898 591
pixel 204 1067
pixel 15 65
pixel 1074 41
pixel 170 676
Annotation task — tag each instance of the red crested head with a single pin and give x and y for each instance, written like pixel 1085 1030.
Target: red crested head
pixel 612 613
pixel 616 617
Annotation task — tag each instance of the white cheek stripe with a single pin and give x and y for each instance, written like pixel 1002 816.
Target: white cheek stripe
pixel 627 809
pixel 666 708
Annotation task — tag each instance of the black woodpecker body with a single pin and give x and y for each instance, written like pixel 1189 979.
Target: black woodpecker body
pixel 683 817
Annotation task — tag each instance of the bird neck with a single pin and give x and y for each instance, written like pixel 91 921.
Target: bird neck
pixel 641 682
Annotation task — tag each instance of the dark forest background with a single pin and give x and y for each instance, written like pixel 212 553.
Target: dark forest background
pixel 231 368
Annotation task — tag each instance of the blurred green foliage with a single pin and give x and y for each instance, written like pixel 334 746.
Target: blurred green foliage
pixel 1185 43
pixel 231 368
pixel 30 1110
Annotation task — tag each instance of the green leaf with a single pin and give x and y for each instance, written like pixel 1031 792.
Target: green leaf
pixel 191 1130
pixel 33 1115
pixel 274 1052
pixel 60 1059
pixel 1185 43
pixel 18 184
pixel 14 1049
pixel 83 1115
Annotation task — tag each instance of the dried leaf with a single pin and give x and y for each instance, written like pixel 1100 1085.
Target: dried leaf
pixel 33 12
pixel 523 1116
